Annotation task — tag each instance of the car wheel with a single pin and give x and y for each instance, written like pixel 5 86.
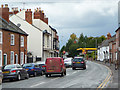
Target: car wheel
pixel 84 68
pixel 27 77
pixel 65 73
pixel 35 74
pixel 46 75
pixel 11 79
pixel 62 74
pixel 73 68
pixel 19 77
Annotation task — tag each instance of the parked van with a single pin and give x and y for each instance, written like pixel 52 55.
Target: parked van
pixel 55 66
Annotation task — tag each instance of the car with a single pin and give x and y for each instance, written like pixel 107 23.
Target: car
pixel 55 65
pixel 42 66
pixel 1 76
pixel 33 69
pixel 78 62
pixel 68 62
pixel 14 71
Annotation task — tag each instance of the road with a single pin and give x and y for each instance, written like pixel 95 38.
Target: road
pixel 92 77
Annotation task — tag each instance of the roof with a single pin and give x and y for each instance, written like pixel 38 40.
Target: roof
pixel 4 25
pixel 53 29
pixel 117 29
pixel 107 41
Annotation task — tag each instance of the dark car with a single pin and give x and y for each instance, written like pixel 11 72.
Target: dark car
pixel 33 69
pixel 14 71
pixel 78 62
pixel 42 66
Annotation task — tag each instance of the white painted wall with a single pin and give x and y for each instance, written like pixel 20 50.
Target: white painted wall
pixel 101 53
pixel 34 41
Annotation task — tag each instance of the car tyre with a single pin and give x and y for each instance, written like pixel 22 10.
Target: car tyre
pixel 19 77
pixel 73 68
pixel 46 75
pixel 35 74
pixel 62 74
pixel 27 77
pixel 65 73
pixel 84 67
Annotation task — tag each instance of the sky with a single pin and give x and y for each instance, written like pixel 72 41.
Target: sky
pixel 90 17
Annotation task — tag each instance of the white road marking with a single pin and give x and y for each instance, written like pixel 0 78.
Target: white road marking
pixel 74 72
pixel 68 74
pixel 55 78
pixel 37 84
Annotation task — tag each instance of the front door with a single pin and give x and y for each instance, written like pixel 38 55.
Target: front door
pixel 5 59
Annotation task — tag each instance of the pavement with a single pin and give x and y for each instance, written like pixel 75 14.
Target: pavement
pixel 92 77
pixel 113 82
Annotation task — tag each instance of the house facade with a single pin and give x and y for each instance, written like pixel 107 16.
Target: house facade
pixel 41 35
pixel 13 40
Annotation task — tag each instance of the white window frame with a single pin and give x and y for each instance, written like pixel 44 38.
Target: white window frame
pixel 6 59
pixel 25 58
pixel 22 41
pixel 22 58
pixel 1 38
pixel 11 57
pixel 16 58
pixel 12 42
pixel 1 58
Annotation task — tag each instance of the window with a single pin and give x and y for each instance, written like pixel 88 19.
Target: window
pixel 18 66
pixel 47 41
pixel 22 41
pixel 0 57
pixel 16 58
pixel 0 37
pixel 25 58
pixel 12 39
pixel 12 57
pixel 22 58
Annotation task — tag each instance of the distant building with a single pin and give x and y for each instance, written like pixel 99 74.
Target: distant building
pixel 13 40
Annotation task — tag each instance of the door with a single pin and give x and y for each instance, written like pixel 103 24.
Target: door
pixel 16 58
pixel 5 59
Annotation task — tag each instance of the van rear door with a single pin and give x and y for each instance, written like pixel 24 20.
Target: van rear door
pixel 53 65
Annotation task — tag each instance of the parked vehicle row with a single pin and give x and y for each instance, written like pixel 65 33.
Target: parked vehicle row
pixel 53 65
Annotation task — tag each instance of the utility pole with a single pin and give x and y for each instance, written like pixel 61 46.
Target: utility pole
pixel 96 47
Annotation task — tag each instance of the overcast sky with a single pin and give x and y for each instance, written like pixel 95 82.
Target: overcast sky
pixel 90 17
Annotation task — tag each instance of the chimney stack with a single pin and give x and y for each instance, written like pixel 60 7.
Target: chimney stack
pixel 28 16
pixel 46 20
pixel 4 12
pixel 38 14
pixel 108 36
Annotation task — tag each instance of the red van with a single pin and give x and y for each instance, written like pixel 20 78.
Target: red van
pixel 55 66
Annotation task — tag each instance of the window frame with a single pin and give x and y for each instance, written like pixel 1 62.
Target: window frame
pixel 12 43
pixel 21 61
pixel 1 58
pixel 22 41
pixel 11 56
pixel 1 39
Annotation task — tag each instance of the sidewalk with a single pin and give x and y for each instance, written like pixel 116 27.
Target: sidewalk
pixel 114 79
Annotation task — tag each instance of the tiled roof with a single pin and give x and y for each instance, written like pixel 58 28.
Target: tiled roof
pixel 4 25
pixel 107 41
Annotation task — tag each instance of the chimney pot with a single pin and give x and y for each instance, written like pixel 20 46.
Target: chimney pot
pixel 6 5
pixel 2 6
pixel 42 11
pixel 20 9
pixel 37 10
pixel 27 9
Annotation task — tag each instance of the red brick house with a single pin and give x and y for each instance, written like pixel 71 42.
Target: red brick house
pixel 13 40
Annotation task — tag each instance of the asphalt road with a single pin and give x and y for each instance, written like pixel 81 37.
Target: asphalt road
pixel 92 77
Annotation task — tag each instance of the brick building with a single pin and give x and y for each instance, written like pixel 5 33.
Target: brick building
pixel 13 40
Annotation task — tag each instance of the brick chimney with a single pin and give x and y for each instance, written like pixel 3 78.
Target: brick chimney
pixel 28 16
pixel 14 11
pixel 108 36
pixel 46 20
pixel 4 12
pixel 38 14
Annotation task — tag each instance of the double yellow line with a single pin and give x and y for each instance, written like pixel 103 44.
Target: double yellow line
pixel 102 85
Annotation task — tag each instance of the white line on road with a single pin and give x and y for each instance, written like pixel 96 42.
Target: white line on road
pixel 37 84
pixel 74 72
pixel 55 78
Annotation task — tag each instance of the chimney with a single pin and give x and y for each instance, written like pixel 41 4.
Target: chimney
pixel 28 16
pixel 14 10
pixel 46 20
pixel 4 12
pixel 108 36
pixel 38 14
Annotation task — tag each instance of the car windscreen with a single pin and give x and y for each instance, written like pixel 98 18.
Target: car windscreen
pixel 27 65
pixel 78 59
pixel 9 67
